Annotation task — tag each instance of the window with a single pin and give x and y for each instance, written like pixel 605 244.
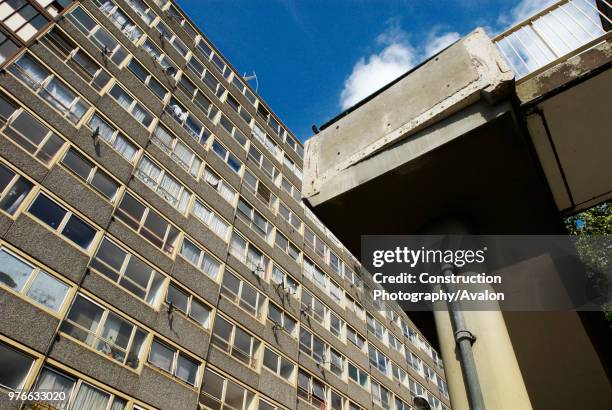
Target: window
pixel 232 130
pixel 313 307
pixel 147 79
pixel 178 152
pixel 289 216
pixel 50 88
pixel 104 331
pixel 128 271
pixel 336 292
pixel 235 105
pixel 334 262
pixel 227 157
pixel 281 319
pixel 381 396
pixel 221 393
pixel 163 60
pixel 221 186
pixel 355 307
pixel 8 47
pixel 188 304
pixel 98 35
pixel 206 76
pixel 200 259
pixel 188 121
pixel 22 18
pixel 292 167
pixel 166 35
pixel 278 364
pixel 286 246
pixel 235 341
pixel 120 20
pixel 314 242
pixel 249 255
pixel 14 367
pixel 259 189
pixel 13 190
pixel 62 221
pixel 195 95
pixel 131 105
pixel 27 132
pixel 400 405
pixel 398 373
pixel 414 362
pixel 242 294
pixel 396 344
pixel 69 52
pixel 239 85
pixel 148 223
pixel 89 172
pixel 284 282
pixel 312 346
pixel 415 388
pixel 261 136
pixel 34 283
pixel 358 376
pixel 113 137
pixel 254 219
pixel 336 363
pixel 291 190
pixel 210 219
pixel 295 146
pixel 165 185
pixel 355 338
pixel 335 325
pixel 376 327
pixel 143 10
pixel 182 21
pixel 173 361
pixel 379 360
pixel 263 163
pixel 81 394
pixel 311 389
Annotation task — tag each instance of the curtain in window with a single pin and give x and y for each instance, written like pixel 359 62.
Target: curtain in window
pixel 125 147
pixel 90 398
pixel 53 381
pixel 201 212
pixel 211 178
pixel 141 115
pixel 183 153
pixel 106 131
pixel 184 201
pixel 58 95
pixel 152 171
pixel 191 252
pixel 219 226
pixel 210 266
pixel 118 404
pixel 227 193
pixel 164 137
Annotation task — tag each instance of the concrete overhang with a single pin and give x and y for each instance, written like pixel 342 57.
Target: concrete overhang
pixel 444 141
pixel 469 71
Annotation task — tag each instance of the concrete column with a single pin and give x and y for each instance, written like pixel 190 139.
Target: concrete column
pixel 501 381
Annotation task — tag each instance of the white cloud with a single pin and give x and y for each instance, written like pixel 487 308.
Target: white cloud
pixel 437 41
pixel 522 11
pixel 397 57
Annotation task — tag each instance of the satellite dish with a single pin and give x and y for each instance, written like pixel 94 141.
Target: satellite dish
pixel 421 403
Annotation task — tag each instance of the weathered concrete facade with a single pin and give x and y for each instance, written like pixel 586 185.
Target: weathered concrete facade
pixel 154 248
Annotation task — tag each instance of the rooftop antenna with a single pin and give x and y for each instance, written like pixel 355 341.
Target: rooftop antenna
pixel 253 76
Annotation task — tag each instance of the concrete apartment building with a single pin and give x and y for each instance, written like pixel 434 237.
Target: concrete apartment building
pixel 154 248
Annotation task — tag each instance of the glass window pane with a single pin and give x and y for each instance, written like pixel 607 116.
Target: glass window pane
pixel 79 232
pixel 186 369
pixel 13 271
pixel 48 291
pixel 178 298
pixel 47 211
pixel 161 356
pixel 14 367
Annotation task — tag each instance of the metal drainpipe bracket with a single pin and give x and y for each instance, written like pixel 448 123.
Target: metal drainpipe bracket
pixel 463 334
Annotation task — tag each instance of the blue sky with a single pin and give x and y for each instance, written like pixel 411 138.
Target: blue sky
pixel 314 58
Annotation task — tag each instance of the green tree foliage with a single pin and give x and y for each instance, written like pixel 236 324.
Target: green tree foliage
pixel 597 255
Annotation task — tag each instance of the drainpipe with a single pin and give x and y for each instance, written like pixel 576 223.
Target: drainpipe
pixel 464 339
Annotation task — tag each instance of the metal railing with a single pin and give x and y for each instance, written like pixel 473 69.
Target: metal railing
pixel 554 34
